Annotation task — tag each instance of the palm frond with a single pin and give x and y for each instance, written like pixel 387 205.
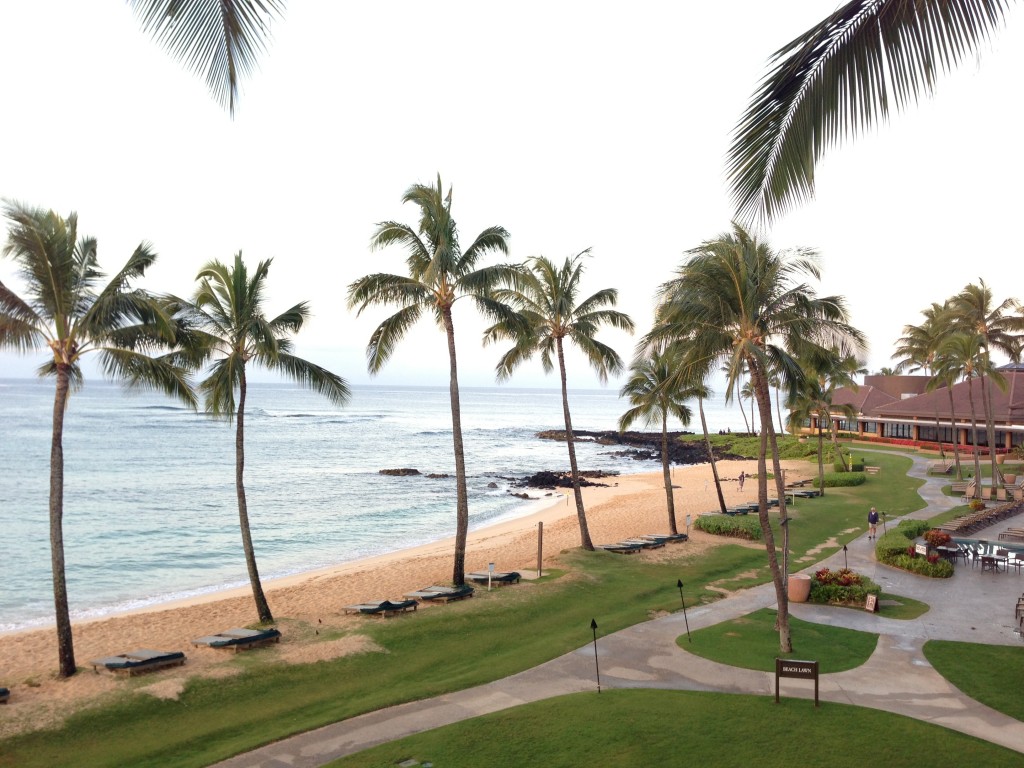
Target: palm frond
pixel 220 40
pixel 319 379
pixel 21 328
pixel 387 335
pixel 140 371
pixel 838 79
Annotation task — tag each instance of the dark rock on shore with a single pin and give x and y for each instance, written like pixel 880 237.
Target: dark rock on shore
pixel 644 446
pixel 402 472
pixel 550 480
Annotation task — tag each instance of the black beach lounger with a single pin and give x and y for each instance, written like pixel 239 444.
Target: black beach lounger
pixel 498 577
pixel 622 548
pixel 442 594
pixel 4 695
pixel 239 639
pixel 668 537
pixel 383 608
pixel 141 660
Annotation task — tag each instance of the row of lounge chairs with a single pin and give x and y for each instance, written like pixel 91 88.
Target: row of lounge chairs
pixel 638 543
pixel 1012 534
pixel 432 594
pixel 983 518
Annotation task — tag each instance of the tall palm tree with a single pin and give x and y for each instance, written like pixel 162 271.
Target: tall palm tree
pixel 440 273
pixel 654 391
pixel 546 298
pixel 219 40
pixel 69 311
pixel 808 404
pixel 840 78
pixel 962 355
pixel 736 299
pixel 917 350
pixel 974 309
pixel 228 327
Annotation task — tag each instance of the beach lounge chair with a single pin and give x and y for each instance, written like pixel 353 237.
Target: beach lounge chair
pixel 239 639
pixel 141 660
pixel 442 594
pixel 498 577
pixel 4 695
pixel 621 548
pixel 382 608
pixel 645 543
pixel 669 537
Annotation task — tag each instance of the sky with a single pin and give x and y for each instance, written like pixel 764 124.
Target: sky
pixel 574 125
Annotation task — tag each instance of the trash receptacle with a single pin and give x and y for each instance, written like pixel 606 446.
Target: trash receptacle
pixel 799 587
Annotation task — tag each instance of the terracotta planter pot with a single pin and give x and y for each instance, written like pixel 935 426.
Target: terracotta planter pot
pixel 799 587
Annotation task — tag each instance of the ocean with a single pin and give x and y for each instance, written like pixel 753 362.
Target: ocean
pixel 150 513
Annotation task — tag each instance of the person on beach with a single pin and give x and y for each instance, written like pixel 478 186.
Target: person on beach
pixel 873 524
pixel 742 478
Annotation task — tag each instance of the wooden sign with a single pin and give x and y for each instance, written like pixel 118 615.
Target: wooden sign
pixel 871 604
pixel 807 670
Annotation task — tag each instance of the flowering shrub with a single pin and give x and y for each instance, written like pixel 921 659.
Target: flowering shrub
pixel 936 538
pixel 892 549
pixel 976 505
pixel 933 557
pixel 841 587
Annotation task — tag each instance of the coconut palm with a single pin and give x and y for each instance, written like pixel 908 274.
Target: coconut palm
pixel 228 328
pixel 219 40
pixel 807 405
pixel 69 311
pixel 917 350
pixel 654 391
pixel 975 311
pixel 839 79
pixel 963 356
pixel 546 298
pixel 736 299
pixel 440 273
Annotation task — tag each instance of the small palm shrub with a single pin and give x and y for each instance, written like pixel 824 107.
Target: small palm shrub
pixel 737 526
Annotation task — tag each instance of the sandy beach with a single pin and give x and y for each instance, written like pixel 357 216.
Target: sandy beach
pixel 630 505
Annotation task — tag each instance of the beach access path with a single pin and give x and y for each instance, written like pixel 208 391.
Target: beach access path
pixel 897 678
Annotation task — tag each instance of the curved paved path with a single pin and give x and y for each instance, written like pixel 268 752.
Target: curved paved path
pixel 897 678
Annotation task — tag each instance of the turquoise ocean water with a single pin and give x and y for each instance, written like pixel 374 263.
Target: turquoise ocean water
pixel 149 507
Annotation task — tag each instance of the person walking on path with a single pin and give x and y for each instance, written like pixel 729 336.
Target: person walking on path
pixel 743 478
pixel 873 524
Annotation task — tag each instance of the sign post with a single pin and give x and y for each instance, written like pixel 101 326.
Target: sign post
pixel 490 573
pixel 806 670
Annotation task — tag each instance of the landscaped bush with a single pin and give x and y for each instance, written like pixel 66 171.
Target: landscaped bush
pixel 976 505
pixel 937 538
pixel 737 526
pixel 842 479
pixel 842 587
pixel 896 548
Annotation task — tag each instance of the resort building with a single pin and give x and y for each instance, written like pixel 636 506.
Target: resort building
pixel 900 410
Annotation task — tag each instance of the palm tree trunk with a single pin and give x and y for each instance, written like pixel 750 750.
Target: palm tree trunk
pixel 990 426
pixel 65 643
pixel 956 433
pixel 461 494
pixel 974 437
pixel 779 574
pixel 834 430
pixel 778 410
pixel 585 541
pixel 743 413
pixel 667 472
pixel 711 455
pixel 262 607
pixel 821 459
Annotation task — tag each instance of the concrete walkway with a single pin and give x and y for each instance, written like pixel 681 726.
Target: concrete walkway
pixel 897 678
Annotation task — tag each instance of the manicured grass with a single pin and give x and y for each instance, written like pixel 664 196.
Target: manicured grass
pixel 906 608
pixel 991 674
pixel 626 728
pixel 752 642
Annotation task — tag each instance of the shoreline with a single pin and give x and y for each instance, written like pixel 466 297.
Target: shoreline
pixel 312 602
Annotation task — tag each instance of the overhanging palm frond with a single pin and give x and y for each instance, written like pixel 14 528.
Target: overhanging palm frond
pixel 220 40
pixel 140 371
pixel 387 335
pixel 319 379
pixel 838 79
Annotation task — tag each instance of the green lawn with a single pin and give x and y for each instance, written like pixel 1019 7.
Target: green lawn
pixel 752 642
pixel 626 728
pixel 991 674
pixel 437 651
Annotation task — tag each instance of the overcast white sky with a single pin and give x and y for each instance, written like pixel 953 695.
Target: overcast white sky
pixel 572 124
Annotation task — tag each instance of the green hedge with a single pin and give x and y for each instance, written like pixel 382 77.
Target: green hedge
pixel 829 588
pixel 895 547
pixel 737 526
pixel 842 479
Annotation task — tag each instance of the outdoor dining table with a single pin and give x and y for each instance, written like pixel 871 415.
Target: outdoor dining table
pixel 952 554
pixel 992 563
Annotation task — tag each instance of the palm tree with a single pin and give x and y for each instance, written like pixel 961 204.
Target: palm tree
pixel 653 390
pixel 807 404
pixel 736 299
pixel 228 326
pixel 218 40
pixel 546 298
pixel 440 273
pixel 962 355
pixel 68 311
pixel 840 78
pixel 974 310
pixel 917 350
